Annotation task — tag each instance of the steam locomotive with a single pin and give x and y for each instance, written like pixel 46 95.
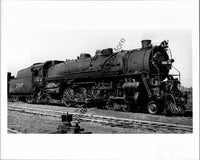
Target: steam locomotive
pixel 126 80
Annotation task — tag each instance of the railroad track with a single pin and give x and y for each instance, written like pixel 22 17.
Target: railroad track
pixel 158 127
pixel 13 131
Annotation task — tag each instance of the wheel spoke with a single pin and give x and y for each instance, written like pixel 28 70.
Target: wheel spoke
pixel 68 96
pixel 81 95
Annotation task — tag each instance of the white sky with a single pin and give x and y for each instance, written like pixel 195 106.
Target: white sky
pixel 40 31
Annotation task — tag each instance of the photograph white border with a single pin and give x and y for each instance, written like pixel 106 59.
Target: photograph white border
pixel 111 146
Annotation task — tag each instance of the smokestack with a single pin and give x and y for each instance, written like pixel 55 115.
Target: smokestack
pixel 146 43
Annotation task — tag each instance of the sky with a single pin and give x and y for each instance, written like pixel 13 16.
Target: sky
pixel 39 31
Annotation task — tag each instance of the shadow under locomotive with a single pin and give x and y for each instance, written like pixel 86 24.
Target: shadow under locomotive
pixel 128 80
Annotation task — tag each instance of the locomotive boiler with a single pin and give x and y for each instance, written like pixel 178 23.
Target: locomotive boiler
pixel 127 80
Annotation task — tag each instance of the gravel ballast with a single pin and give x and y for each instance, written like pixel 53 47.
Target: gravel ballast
pixel 29 123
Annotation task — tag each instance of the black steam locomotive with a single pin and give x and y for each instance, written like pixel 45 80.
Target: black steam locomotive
pixel 127 80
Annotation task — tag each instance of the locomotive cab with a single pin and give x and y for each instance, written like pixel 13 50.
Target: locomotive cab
pixel 37 71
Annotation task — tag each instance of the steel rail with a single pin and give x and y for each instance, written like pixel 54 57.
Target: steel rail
pixel 113 121
pixel 13 131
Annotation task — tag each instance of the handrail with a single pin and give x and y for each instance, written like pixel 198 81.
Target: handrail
pixel 179 74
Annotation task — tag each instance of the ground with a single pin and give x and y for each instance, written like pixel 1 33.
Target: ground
pixel 28 123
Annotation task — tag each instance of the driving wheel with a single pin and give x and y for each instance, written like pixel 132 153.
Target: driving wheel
pixel 68 97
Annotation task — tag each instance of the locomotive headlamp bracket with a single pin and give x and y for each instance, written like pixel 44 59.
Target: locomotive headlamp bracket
pixel 168 62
